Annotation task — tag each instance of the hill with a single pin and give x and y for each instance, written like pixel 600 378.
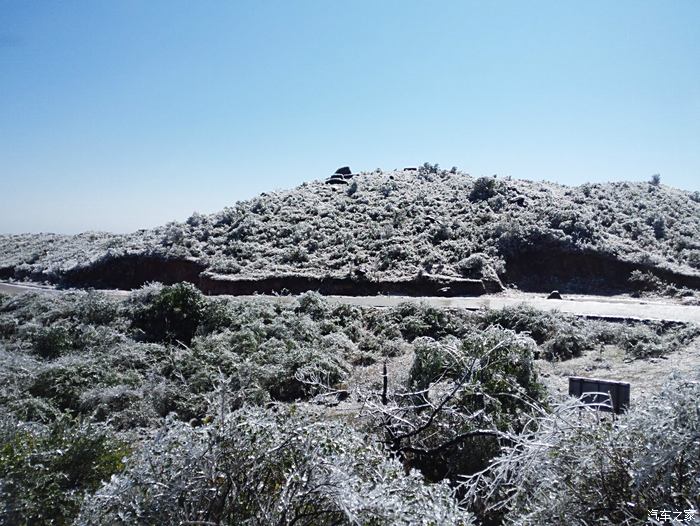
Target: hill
pixel 426 231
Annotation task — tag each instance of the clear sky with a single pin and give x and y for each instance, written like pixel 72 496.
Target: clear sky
pixel 127 114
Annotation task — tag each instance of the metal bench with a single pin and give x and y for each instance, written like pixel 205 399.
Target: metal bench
pixel 604 395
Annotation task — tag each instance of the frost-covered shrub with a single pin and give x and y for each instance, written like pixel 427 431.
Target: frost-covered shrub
pixel 644 281
pixel 63 380
pixel 259 467
pixel 566 344
pixel 655 339
pixel 461 395
pixel 538 324
pixel 473 266
pixel 560 335
pixel 45 472
pixel 420 319
pixel 96 308
pixel 641 341
pixel 483 189
pixel 427 168
pixel 573 465
pixel 168 314
pixel 51 342
pixel 504 361
pixel 313 304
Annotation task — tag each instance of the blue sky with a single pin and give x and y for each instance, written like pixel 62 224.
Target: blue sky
pixel 123 115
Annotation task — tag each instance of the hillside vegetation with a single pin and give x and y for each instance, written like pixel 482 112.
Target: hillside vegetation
pixel 396 226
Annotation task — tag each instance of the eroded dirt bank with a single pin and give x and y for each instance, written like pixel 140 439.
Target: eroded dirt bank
pixel 589 272
pixel 133 271
pixel 533 270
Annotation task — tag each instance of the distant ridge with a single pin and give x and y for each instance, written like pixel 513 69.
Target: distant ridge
pixel 425 229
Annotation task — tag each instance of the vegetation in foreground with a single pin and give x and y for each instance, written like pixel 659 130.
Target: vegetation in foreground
pixel 170 407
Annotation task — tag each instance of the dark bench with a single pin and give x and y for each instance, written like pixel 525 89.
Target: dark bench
pixel 604 395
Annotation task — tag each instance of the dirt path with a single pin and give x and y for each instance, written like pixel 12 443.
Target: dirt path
pixel 612 307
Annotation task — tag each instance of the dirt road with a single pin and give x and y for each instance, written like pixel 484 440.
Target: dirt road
pixel 612 307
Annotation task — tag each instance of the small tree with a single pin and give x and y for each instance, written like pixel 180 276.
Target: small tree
pixel 655 180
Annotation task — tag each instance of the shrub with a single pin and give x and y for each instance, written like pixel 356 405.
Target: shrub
pixel 63 381
pixel 644 281
pixel 313 304
pixel 96 308
pixel 427 168
pixel 462 394
pixel 567 343
pixel 483 189
pixel 52 342
pixel 46 472
pixel 261 467
pixel 538 324
pixel 472 266
pixel 420 319
pixel 573 464
pixel 641 342
pixel 352 189
pixel 168 314
pixel 504 361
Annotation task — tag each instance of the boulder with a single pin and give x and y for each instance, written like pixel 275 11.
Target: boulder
pixel 344 170
pixel 554 295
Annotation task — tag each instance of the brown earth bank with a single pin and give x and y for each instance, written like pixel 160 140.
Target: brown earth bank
pixel 132 271
pixel 532 270
pixel 582 271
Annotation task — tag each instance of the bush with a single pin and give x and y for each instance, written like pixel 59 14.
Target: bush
pixel 63 381
pixel 52 342
pixel 484 188
pixel 560 335
pixel 486 381
pixel 46 472
pixel 96 308
pixel 566 344
pixel 641 342
pixel 261 467
pixel 572 464
pixel 472 266
pixel 313 304
pixel 539 325
pixel 504 361
pixel 644 281
pixel 420 319
pixel 168 314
